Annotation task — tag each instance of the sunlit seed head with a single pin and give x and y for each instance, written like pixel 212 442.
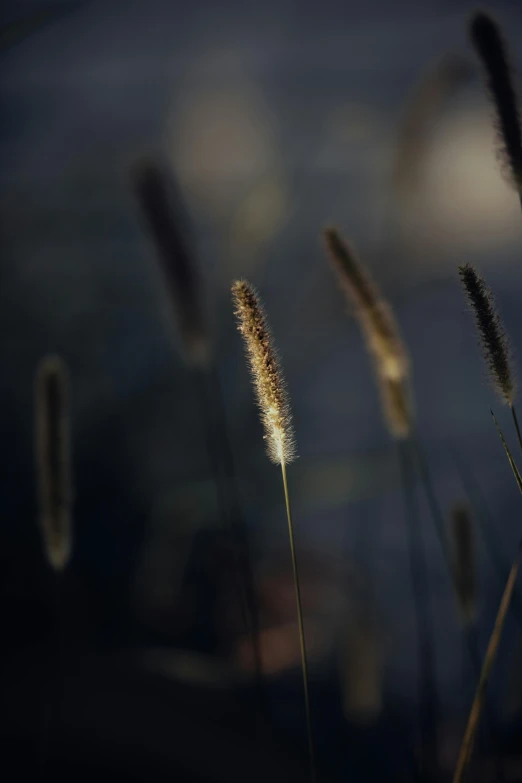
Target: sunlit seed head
pixel 267 375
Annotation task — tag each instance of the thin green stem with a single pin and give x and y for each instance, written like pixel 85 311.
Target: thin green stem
pixel 480 695
pixel 515 419
pixel 512 462
pixel 304 664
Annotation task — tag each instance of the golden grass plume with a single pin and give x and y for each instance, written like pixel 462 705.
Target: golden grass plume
pixel 381 333
pixel 493 338
pixel 53 459
pixel 265 367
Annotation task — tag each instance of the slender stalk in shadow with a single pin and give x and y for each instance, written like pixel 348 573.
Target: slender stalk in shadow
pixel 517 428
pixel 511 461
pixel 480 695
pixel 470 639
pixel 427 692
pixel 465 588
pixel 487 526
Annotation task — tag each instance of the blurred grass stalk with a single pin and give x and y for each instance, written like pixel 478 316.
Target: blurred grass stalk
pixel 465 588
pixel 392 369
pixel 164 218
pixel 53 468
pixel 420 114
pixel 488 530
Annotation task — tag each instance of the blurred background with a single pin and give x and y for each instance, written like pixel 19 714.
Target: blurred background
pixel 275 119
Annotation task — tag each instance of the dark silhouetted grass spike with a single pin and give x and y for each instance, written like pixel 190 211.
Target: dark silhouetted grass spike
pixel 463 537
pixel 380 330
pixel 492 335
pixel 161 208
pixel 488 42
pixel 53 459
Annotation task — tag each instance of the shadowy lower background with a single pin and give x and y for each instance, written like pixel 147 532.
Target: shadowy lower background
pixel 277 119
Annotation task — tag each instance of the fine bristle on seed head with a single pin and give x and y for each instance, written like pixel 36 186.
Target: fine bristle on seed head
pixel 53 459
pixel 489 45
pixel 377 323
pixel 463 538
pixel 161 208
pixel 267 376
pixel 492 336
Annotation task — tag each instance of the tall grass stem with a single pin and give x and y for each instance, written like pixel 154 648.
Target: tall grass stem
pixel 304 661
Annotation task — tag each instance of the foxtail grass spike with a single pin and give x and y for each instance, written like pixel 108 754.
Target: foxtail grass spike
pixel 480 694
pixel 381 333
pixel 512 462
pixel 161 209
pixel 269 384
pixel 53 459
pixel 463 537
pixel 492 336
pixel 273 402
pixel 489 45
